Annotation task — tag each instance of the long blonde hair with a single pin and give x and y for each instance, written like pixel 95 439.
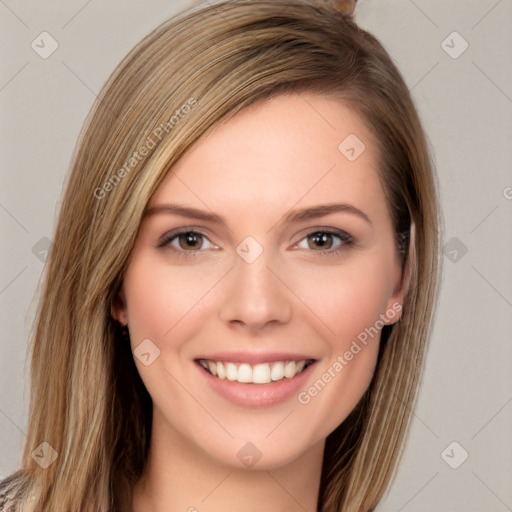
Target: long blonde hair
pixel 87 399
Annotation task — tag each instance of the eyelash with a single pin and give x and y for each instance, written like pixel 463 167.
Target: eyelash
pixel 344 237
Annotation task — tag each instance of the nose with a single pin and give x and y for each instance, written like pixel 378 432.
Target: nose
pixel 256 296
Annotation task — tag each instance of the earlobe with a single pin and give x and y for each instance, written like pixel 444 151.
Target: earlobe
pixel 396 301
pixel 118 309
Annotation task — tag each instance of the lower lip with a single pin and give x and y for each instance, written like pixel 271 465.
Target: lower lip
pixel 257 395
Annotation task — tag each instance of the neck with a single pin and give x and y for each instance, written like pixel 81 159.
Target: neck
pixel 182 478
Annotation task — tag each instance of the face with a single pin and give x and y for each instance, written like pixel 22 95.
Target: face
pixel 260 281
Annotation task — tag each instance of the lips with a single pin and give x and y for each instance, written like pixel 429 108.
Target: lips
pixel 254 394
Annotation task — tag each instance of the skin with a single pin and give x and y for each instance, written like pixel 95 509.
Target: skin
pixel 276 156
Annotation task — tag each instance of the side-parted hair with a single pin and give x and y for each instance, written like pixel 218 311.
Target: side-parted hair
pixel 192 72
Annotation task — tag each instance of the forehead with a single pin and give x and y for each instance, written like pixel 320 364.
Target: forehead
pixel 297 148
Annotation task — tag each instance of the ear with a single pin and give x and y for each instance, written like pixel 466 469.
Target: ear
pixel 396 301
pixel 118 309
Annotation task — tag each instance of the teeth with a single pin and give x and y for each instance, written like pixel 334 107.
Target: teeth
pixel 231 371
pixel 289 369
pixel 244 373
pixel 212 367
pixel 221 371
pixel 277 372
pixel 262 373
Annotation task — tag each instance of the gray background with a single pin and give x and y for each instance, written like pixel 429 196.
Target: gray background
pixel 465 102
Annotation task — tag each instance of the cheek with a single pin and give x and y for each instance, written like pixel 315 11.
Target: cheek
pixel 346 300
pixel 349 304
pixel 160 299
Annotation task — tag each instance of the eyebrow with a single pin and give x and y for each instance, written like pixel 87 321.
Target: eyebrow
pixel 293 216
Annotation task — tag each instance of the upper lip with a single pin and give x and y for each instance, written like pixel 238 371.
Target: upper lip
pixel 255 358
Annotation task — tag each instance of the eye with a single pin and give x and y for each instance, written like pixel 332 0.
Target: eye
pixel 186 241
pixel 326 241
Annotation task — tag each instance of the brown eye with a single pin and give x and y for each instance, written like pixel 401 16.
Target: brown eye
pixel 190 240
pixel 320 240
pixel 184 242
pixel 326 242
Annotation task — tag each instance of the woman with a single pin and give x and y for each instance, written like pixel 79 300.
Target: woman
pixel 243 277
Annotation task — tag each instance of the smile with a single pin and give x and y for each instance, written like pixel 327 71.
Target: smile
pixel 261 373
